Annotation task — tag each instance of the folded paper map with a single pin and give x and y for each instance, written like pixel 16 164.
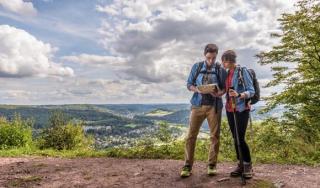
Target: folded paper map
pixel 209 88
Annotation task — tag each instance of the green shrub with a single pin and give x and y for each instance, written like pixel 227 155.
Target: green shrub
pixel 163 134
pixel 63 134
pixel 15 133
pixel 269 142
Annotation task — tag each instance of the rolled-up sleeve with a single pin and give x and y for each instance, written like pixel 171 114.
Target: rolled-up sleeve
pixel 192 75
pixel 248 83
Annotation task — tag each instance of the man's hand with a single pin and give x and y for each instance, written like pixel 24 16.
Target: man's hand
pixel 215 94
pixel 198 91
pixel 195 89
pixel 218 93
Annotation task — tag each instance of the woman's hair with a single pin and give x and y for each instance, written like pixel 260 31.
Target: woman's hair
pixel 210 48
pixel 229 55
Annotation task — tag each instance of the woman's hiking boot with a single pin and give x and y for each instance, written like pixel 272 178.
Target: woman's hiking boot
pixel 186 171
pixel 248 172
pixel 237 172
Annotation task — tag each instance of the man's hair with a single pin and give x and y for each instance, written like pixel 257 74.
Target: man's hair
pixel 211 48
pixel 229 55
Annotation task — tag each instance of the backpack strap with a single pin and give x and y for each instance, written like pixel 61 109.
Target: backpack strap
pixel 240 74
pixel 218 65
pixel 197 72
pixel 240 77
pixel 217 69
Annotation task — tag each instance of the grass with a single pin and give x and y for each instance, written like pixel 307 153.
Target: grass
pixel 24 181
pixel 166 151
pixel 258 183
pixel 24 152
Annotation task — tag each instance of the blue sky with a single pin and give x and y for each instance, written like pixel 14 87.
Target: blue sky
pixel 96 51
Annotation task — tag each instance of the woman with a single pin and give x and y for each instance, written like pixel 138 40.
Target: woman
pixel 240 89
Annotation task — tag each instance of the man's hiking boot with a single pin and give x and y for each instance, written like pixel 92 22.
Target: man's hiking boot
pixel 186 171
pixel 237 172
pixel 212 170
pixel 248 172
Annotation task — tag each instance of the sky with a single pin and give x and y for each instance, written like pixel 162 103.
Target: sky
pixel 125 51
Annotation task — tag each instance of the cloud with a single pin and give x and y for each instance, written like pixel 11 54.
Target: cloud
pixel 150 47
pixel 17 94
pixel 111 10
pixel 22 55
pixel 86 90
pixel 96 60
pixel 19 7
pixel 129 9
pixel 164 38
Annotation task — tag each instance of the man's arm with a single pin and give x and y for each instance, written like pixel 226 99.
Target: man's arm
pixel 190 84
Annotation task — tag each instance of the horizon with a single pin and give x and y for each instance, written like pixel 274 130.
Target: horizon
pixel 164 103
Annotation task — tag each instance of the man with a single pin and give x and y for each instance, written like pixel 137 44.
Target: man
pixel 205 106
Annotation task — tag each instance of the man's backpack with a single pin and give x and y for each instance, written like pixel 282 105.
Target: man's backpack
pixel 217 70
pixel 256 96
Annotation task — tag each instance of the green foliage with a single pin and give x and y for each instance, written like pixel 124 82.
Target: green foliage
pixel 278 142
pixel 227 151
pixel 33 151
pixel 63 134
pixel 269 142
pixel 296 63
pixel 164 134
pixel 58 119
pixel 15 133
pixel 173 150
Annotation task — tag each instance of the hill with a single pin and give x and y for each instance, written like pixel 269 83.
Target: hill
pixel 113 124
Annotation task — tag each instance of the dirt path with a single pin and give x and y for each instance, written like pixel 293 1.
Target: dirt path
pixel 109 172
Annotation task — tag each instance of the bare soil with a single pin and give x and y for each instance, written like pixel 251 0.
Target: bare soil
pixel 127 173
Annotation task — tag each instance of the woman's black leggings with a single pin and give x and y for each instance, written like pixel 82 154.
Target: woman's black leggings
pixel 242 122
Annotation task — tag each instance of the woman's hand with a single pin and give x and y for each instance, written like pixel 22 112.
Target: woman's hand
pixel 234 93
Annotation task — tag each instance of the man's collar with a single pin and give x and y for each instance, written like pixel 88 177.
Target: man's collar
pixel 212 66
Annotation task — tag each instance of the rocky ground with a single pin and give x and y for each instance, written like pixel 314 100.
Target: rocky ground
pixel 127 173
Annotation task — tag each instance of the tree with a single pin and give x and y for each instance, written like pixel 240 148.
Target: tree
pixel 296 66
pixel 164 134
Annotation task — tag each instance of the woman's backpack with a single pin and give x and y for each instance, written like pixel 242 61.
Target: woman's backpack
pixel 256 96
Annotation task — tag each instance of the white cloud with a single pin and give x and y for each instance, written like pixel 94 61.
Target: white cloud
pixel 111 10
pixel 84 90
pixel 17 94
pixel 22 55
pixel 165 37
pixel 141 26
pixel 19 7
pixel 136 10
pixel 161 39
pixel 96 60
pixel 151 46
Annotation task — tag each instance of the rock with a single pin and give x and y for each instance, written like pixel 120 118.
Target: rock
pixel 279 184
pixel 223 179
